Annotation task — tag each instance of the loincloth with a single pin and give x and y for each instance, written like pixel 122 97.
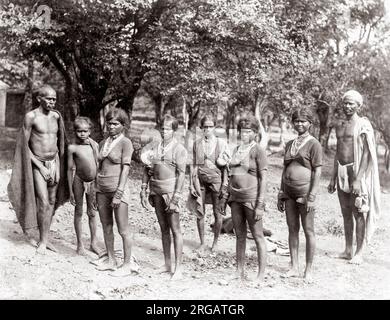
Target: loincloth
pixel 344 177
pixel 296 191
pixel 53 165
pixel 89 187
pixel 209 179
pixel 245 196
pixel 164 188
pixel 109 184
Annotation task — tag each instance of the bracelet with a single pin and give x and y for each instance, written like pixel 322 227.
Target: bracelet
pixel 175 200
pixel 260 205
pixel 311 197
pixel 225 196
pixel 118 194
pixel 281 195
pixel 144 186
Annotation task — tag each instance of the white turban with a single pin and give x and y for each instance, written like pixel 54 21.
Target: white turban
pixel 354 96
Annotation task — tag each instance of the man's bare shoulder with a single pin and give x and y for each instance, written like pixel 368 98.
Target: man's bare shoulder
pixel 55 114
pixel 31 115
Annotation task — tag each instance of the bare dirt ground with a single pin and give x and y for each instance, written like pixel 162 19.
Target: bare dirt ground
pixel 65 275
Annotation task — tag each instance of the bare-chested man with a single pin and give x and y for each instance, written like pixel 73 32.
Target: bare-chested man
pixel 165 174
pixel 356 176
pixel 38 168
pixel 82 170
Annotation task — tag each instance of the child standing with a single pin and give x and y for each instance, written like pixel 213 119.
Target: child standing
pixel 82 169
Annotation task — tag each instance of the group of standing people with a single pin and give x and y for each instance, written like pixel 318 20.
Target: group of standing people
pixel 217 176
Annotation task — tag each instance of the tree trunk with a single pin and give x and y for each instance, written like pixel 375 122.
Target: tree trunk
pixel 259 105
pixel 323 112
pixel 27 101
pixel 230 116
pixel 193 113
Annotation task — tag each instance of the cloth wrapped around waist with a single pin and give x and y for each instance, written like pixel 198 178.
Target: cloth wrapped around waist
pixel 53 165
pixel 344 177
pixel 109 184
pixel 202 178
pixel 209 177
pixel 164 188
pixel 296 189
pixel 245 196
pixel 89 187
pixel 106 183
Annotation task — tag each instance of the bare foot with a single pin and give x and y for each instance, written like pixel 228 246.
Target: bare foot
pixel 95 248
pixel 41 249
pixel 291 273
pixel 165 269
pixel 81 251
pixel 99 261
pixel 51 247
pixel 307 278
pixel 238 275
pixel 123 271
pixel 107 266
pixel 103 254
pixel 259 279
pixel 30 240
pixel 33 242
pixel 344 255
pixel 177 275
pixel 214 247
pixel 357 259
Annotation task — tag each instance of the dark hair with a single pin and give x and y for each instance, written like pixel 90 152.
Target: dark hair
pixel 169 118
pixel 77 122
pixel 247 122
pixel 207 117
pixel 303 113
pixel 118 114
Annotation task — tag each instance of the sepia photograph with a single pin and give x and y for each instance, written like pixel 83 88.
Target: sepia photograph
pixel 194 150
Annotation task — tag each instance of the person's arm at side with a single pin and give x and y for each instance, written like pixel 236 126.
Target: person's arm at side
pixel 127 152
pixel 333 179
pixel 181 162
pixel 181 171
pixel 70 174
pixel 193 168
pixel 316 163
pixel 28 123
pixel 261 164
pixel 144 187
pixel 281 194
pixel 356 185
pixel 315 182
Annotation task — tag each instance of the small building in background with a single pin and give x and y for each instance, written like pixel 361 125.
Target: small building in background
pixel 3 102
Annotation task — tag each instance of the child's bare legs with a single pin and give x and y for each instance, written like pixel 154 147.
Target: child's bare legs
pixel 78 191
pixel 92 224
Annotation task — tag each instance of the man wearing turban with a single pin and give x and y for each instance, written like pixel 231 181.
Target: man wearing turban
pixel 356 175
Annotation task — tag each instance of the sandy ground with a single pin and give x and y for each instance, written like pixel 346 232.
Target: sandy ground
pixel 66 275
